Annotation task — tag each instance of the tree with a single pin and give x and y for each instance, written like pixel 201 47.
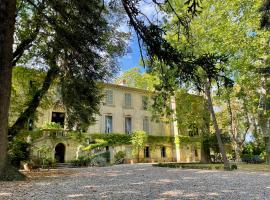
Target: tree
pixel 193 118
pixel 135 78
pixel 264 118
pixel 74 43
pixel 7 24
pixel 237 47
pixel 138 140
pixel 81 52
pixel 25 83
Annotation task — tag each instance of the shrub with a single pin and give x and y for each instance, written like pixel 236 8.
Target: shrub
pixel 191 165
pixel 248 158
pixel 119 157
pixel 82 161
pixel 113 139
pixel 49 162
pixel 18 151
pixel 106 155
pixel 52 125
pixel 138 140
pixel 233 167
pixel 98 161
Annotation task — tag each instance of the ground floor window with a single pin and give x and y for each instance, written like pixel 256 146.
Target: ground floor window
pixel 146 152
pixel 163 152
pixel 196 153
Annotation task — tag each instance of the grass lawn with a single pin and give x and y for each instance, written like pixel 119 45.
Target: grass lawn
pixel 254 167
pixel 240 166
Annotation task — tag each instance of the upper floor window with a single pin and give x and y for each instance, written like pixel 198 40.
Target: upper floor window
pixel 127 100
pixel 146 124
pixel 58 117
pixel 128 125
pixel 193 130
pixel 109 97
pixel 144 102
pixel 108 124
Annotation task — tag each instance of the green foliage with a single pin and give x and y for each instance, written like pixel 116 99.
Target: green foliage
pixel 52 125
pixel 135 78
pixel 138 141
pixel 25 83
pixel 106 155
pixel 191 166
pixel 195 166
pixel 113 139
pixel 183 139
pixel 98 161
pixel 119 157
pixel 35 134
pixel 252 148
pixel 233 167
pixel 192 114
pixel 82 51
pixel 93 160
pixel 82 161
pixel 98 144
pixel 210 141
pixel 159 139
pixel 75 135
pixel 18 151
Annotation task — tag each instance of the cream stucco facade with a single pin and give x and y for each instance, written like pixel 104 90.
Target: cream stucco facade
pixel 118 110
pixel 123 111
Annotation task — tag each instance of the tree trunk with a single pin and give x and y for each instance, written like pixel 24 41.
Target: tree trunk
pixel 138 156
pixel 22 121
pixel 7 25
pixel 217 130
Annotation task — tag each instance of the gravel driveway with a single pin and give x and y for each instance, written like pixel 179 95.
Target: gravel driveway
pixel 142 181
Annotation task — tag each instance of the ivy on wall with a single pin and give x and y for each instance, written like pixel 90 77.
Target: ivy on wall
pixel 192 114
pixel 184 139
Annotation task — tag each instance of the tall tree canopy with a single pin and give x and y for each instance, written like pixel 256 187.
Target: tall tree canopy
pixel 76 43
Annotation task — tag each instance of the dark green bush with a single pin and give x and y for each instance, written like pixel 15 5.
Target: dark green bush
pixel 106 155
pixel 18 151
pixel 98 161
pixel 119 157
pixel 82 161
pixel 190 165
pixel 233 167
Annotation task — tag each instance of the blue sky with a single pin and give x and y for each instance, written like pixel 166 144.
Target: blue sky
pixel 132 58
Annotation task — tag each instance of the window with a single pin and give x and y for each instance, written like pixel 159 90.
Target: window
pixel 109 97
pixel 108 124
pixel 128 125
pixel 193 130
pixel 58 117
pixel 163 152
pixel 128 100
pixel 144 102
pixel 196 153
pixel 146 152
pixel 146 124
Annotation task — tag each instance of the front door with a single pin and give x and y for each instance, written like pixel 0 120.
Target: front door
pixel 60 153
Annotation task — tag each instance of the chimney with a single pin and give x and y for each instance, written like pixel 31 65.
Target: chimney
pixel 123 82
